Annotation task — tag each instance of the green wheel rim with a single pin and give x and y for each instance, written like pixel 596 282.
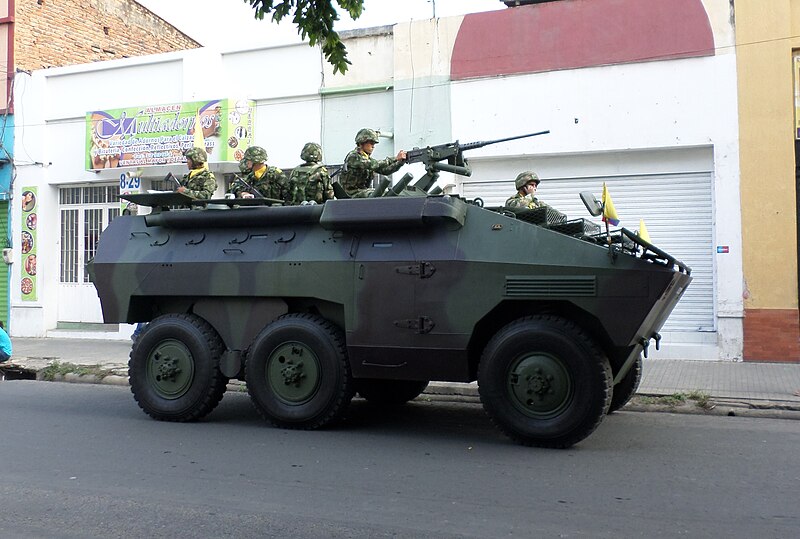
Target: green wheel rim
pixel 293 373
pixel 539 385
pixel 170 369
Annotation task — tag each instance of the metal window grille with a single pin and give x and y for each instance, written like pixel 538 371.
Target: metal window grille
pixel 94 207
pixel 92 226
pixel 69 245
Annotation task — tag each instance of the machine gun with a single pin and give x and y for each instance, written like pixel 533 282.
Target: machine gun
pixel 453 153
pixel 171 176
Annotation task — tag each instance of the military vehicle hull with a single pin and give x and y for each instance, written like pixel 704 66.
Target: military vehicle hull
pixel 383 295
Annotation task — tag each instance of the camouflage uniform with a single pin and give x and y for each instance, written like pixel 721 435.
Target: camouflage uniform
pixel 310 182
pixel 271 183
pixel 359 168
pixel 525 201
pixel 199 182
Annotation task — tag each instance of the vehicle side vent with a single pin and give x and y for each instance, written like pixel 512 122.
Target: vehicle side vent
pixel 527 286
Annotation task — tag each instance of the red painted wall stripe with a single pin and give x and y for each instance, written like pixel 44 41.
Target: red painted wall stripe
pixel 570 34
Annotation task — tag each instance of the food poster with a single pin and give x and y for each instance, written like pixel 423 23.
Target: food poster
pixel 30 204
pixel 159 134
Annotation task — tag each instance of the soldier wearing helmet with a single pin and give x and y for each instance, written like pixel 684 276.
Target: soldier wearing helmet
pixel 199 182
pixel 310 182
pixel 269 182
pixel 360 168
pixel 526 184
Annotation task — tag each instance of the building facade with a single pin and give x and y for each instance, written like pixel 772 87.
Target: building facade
pixel 768 47
pixel 38 34
pixel 652 112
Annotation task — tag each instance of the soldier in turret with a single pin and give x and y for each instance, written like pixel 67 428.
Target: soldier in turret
pixel 526 184
pixel 310 182
pixel 360 168
pixel 199 182
pixel 269 182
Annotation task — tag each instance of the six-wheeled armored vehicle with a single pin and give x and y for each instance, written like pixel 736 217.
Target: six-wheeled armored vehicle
pixel 311 305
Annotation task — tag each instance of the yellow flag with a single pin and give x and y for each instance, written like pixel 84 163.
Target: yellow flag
pixel 609 212
pixel 199 141
pixel 643 232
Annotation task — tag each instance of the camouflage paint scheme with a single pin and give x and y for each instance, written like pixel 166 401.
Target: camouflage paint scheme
pixel 418 285
pixel 347 260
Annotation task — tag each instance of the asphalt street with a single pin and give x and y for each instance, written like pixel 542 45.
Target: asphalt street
pixel 83 461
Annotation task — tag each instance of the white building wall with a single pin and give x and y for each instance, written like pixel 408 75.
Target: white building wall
pixel 653 106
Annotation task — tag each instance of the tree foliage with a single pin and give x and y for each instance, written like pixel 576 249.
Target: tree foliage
pixel 314 20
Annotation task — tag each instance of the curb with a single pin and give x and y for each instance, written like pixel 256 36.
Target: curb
pixel 468 393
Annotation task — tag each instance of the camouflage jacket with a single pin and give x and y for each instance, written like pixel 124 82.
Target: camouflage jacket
pixel 272 184
pixel 359 169
pixel 199 185
pixel 527 201
pixel 310 182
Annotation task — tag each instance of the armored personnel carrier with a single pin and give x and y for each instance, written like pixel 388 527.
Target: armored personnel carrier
pixel 311 305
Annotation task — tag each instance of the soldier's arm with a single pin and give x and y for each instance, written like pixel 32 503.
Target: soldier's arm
pixel 389 165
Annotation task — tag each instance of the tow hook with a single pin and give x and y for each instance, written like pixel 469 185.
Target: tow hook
pixel 646 343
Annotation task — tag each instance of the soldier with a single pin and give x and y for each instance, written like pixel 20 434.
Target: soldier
pixel 359 167
pixel 526 184
pixel 199 182
pixel 310 182
pixel 270 182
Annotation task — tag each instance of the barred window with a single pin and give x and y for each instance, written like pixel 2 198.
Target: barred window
pixel 81 226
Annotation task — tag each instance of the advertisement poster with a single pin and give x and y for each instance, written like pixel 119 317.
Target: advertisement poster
pixel 159 134
pixel 30 205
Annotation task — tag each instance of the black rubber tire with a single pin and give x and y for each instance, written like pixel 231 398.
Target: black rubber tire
pixel 544 382
pixel 192 387
pixel 626 388
pixel 298 373
pixel 389 392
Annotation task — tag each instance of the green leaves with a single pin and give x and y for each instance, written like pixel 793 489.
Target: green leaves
pixel 314 20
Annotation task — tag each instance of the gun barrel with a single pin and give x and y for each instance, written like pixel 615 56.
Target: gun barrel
pixel 482 143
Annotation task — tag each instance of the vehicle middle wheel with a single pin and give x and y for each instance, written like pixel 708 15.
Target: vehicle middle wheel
pixel 298 373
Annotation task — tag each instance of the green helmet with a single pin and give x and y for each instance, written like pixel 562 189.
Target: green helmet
pixel 197 155
pixel 243 168
pixel 312 153
pixel 256 154
pixel 523 178
pixel 366 135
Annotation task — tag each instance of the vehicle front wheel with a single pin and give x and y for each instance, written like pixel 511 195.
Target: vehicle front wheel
pixel 174 368
pixel 544 382
pixel 298 373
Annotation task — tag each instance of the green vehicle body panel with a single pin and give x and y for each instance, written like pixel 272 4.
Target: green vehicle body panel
pixel 419 284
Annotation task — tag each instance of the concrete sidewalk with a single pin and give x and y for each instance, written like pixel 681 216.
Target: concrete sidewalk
pixel 761 385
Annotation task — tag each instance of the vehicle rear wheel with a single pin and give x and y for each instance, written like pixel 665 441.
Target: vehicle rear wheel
pixel 389 392
pixel 544 382
pixel 174 368
pixel 626 388
pixel 298 373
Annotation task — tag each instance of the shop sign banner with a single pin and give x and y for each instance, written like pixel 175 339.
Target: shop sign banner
pixel 159 134
pixel 30 209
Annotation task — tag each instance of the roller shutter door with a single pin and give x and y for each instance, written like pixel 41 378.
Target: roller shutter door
pixel 676 208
